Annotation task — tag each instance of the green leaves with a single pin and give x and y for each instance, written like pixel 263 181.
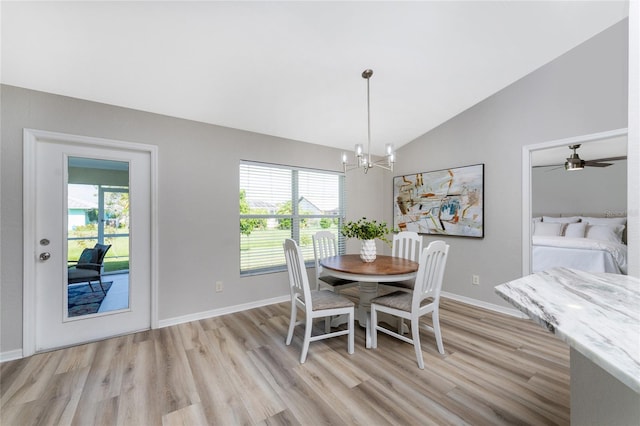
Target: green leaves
pixel 365 229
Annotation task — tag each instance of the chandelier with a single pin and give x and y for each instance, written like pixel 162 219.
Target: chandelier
pixel 363 161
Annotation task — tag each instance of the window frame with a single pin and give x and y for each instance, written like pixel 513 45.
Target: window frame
pixel 295 216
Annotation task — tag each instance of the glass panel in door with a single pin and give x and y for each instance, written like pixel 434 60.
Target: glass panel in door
pixel 97 237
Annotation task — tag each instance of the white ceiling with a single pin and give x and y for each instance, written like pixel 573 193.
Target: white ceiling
pixel 293 69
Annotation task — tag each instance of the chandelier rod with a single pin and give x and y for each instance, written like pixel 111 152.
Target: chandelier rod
pixel 367 74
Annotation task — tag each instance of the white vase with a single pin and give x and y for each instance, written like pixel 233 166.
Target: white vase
pixel 368 251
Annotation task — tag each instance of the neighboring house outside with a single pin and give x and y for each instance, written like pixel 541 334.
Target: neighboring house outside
pixel 308 207
pixel 267 208
pixel 78 213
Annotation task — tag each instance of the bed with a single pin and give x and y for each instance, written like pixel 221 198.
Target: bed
pixel 587 243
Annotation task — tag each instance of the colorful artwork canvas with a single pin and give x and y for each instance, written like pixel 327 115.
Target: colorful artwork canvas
pixel 442 202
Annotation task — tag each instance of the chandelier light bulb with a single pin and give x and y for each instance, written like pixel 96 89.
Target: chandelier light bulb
pixel 389 148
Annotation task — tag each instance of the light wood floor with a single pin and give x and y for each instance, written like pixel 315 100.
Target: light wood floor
pixel 236 369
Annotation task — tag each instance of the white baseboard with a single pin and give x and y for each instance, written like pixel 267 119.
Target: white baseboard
pixel 238 308
pixel 10 355
pixel 222 311
pixel 479 303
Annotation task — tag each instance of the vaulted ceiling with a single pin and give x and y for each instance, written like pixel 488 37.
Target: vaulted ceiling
pixel 293 69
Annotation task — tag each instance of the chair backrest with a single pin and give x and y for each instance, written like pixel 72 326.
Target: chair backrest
pixel 408 245
pixel 298 279
pixel 324 245
pixel 102 252
pixel 93 258
pixel 430 272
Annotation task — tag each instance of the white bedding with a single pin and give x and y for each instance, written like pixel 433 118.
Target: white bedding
pixel 578 253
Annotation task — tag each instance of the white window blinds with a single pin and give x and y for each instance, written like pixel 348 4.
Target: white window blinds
pixel 279 202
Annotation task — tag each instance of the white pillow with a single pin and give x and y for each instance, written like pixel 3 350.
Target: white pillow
pixel 605 220
pixel 575 230
pixel 545 229
pixel 537 219
pixel 568 219
pixel 611 233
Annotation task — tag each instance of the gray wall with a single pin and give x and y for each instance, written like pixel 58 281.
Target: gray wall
pixel 198 198
pixel 593 190
pixel 583 91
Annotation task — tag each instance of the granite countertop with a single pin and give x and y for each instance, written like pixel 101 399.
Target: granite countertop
pixel 597 314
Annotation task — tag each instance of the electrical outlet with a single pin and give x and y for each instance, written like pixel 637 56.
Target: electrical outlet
pixel 475 279
pixel 219 286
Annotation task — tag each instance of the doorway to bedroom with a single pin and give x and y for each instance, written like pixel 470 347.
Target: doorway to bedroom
pixel 576 216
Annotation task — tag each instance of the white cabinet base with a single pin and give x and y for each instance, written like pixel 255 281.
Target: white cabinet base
pixel 598 398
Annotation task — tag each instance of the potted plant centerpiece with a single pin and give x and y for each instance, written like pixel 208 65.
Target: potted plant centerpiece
pixel 366 231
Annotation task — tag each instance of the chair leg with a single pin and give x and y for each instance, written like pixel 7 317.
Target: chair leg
pixel 374 328
pixel 351 332
pixel 436 330
pixel 90 286
pixel 100 280
pixel 292 322
pixel 308 325
pixel 415 334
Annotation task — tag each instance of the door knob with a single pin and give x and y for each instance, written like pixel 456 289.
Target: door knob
pixel 45 256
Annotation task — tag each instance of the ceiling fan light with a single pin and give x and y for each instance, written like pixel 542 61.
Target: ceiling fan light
pixel 572 164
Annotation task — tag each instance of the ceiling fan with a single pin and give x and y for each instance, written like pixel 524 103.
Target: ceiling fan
pixel 574 162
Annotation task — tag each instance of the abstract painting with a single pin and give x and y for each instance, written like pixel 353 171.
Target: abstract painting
pixel 442 202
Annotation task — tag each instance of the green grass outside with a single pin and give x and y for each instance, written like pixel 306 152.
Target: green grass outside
pixel 116 265
pixel 117 257
pixel 263 248
pixel 267 244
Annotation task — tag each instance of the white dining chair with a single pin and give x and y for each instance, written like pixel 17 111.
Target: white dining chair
pixel 408 245
pixel 423 300
pixel 325 245
pixel 314 303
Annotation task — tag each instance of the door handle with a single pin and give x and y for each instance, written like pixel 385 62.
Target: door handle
pixel 45 256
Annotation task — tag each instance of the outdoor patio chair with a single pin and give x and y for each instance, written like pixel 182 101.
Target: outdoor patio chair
pixel 88 268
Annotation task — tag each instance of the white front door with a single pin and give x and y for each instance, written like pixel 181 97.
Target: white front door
pixel 50 238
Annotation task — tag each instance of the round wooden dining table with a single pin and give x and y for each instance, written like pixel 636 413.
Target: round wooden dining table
pixel 383 269
pixel 369 274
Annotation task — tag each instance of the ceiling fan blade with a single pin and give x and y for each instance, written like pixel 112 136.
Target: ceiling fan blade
pixel 555 167
pixel 596 164
pixel 546 165
pixel 600 160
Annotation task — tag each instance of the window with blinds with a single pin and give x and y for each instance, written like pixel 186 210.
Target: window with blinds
pixel 279 202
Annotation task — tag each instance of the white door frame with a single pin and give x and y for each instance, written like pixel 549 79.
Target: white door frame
pixel 527 150
pixel 31 137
